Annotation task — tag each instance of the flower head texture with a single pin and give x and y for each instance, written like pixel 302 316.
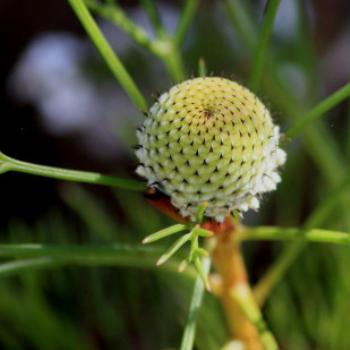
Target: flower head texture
pixel 210 140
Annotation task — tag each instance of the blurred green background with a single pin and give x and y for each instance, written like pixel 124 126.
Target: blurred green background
pixel 60 106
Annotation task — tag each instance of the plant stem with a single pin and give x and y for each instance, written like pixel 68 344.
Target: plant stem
pixel 186 18
pixel 245 299
pixel 174 64
pixel 241 21
pixel 108 55
pixel 263 41
pixel 11 164
pixel 320 214
pixel 18 266
pixel 319 110
pixel 202 68
pixel 164 47
pixel 118 17
pixel 235 293
pixel 197 297
pixel 275 273
pixel 267 283
pixel 154 17
pixel 85 255
pixel 273 233
pixel 168 231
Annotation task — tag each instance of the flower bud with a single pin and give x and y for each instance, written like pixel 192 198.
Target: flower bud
pixel 210 140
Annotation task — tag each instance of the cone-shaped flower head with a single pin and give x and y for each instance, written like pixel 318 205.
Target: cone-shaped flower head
pixel 210 140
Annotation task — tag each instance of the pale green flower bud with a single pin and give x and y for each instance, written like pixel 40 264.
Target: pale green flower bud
pixel 210 140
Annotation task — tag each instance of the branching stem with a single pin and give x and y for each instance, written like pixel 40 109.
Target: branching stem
pixel 111 59
pixel 263 41
pixel 11 164
pixel 197 296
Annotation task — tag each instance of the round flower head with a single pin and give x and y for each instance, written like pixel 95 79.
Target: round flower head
pixel 210 140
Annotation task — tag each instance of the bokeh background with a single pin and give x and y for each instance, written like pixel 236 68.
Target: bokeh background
pixel 60 106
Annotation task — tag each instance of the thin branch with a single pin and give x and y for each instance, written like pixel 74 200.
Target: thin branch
pixel 242 22
pixel 189 334
pixel 245 299
pixel 320 214
pixel 185 20
pixel 11 164
pixel 300 237
pixel 18 266
pixel 319 110
pixel 202 68
pixel 174 64
pixel 273 233
pixel 275 273
pixel 111 59
pixel 263 41
pixel 36 255
pixel 117 16
pixel 163 47
pixel 154 16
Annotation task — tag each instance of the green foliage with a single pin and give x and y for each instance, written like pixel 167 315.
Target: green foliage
pixel 91 285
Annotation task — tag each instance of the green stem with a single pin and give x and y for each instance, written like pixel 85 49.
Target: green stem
pixel 164 47
pixel 202 68
pixel 18 266
pixel 321 213
pixel 186 18
pixel 174 64
pixel 85 255
pixel 249 307
pixel 347 144
pixel 107 53
pixel 166 232
pixel 273 233
pixel 263 41
pixel 196 301
pixel 271 278
pixel 11 164
pixel 242 22
pixel 154 17
pixel 118 17
pixel 318 111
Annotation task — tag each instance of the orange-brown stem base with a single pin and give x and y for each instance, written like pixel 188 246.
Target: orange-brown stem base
pixel 228 261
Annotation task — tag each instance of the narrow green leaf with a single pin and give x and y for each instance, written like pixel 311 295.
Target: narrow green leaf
pixel 202 68
pixel 186 18
pixel 201 211
pixel 111 59
pixel 263 41
pixel 117 16
pixel 173 249
pixel 17 266
pixel 202 232
pixel 246 301
pixel 164 233
pixel 319 110
pixel 308 235
pixel 242 22
pixel 201 271
pixel 197 297
pixel 70 175
pixel 123 255
pixel 154 16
